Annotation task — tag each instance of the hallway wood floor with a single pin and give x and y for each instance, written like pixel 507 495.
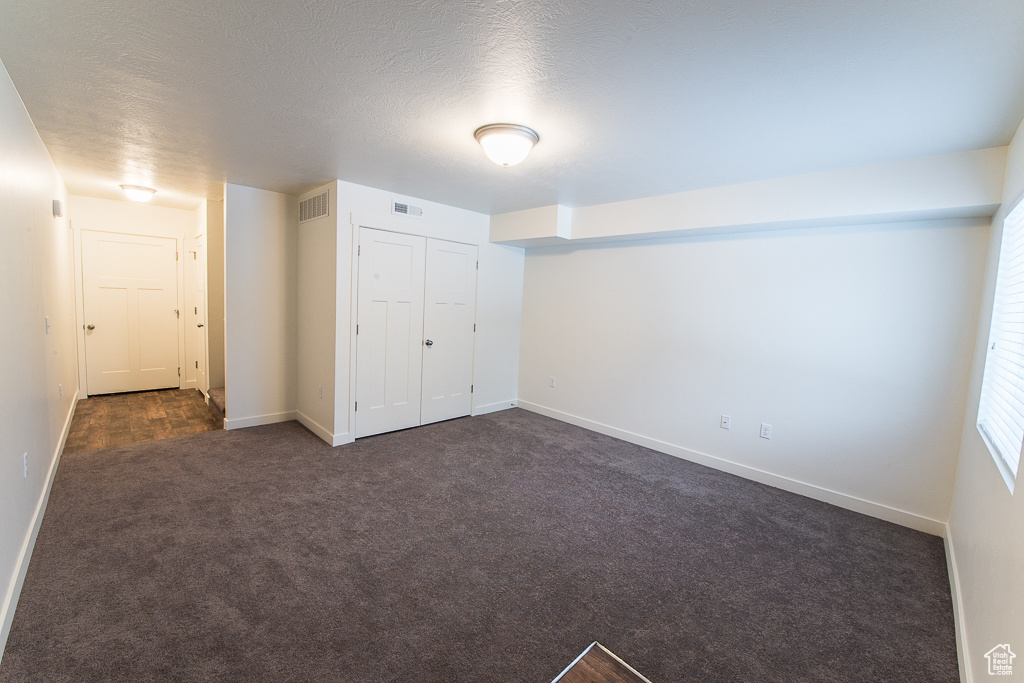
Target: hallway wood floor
pixel 122 419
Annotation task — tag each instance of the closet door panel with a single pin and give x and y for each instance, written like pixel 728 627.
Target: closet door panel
pixel 389 341
pixel 449 316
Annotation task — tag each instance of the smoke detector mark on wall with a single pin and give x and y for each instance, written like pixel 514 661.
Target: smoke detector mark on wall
pixel 315 207
pixel 403 209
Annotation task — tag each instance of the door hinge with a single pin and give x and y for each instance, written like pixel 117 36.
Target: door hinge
pixel 357 406
pixel 359 250
pixel 357 329
pixel 478 265
pixel 197 367
pixel 177 313
pixel 195 309
pixel 474 327
pixel 471 388
pixel 176 256
pixel 179 372
pixel 194 257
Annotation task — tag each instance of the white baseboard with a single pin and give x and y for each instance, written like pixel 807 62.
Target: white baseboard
pixel 962 654
pixel 10 602
pixel 843 500
pixel 321 431
pixel 494 407
pixel 257 420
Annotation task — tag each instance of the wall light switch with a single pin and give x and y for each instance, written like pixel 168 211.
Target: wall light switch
pixel 320 391
pixel 552 381
pixel 24 465
pixel 766 431
pixel 726 422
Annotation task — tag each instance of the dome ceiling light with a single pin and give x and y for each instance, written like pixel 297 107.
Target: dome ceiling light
pixel 137 193
pixel 506 144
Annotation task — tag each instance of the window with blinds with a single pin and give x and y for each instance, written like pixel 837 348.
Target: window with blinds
pixel 1001 410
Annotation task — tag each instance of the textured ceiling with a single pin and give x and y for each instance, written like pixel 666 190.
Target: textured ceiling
pixel 631 98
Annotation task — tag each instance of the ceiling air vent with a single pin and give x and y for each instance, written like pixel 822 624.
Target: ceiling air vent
pixel 406 210
pixel 314 207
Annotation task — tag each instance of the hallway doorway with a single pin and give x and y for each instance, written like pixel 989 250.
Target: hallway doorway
pixel 122 419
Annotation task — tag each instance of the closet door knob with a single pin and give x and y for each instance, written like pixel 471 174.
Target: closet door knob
pixel 90 327
pixel 429 343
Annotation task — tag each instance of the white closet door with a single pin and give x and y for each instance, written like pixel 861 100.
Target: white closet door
pixel 389 342
pixel 130 293
pixel 448 330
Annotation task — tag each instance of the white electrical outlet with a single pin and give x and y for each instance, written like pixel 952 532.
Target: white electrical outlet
pixel 24 466
pixel 552 381
pixel 726 422
pixel 766 430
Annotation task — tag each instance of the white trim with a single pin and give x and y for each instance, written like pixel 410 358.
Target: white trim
pixel 321 431
pixel 843 500
pixel 959 624
pixel 494 407
pixel 10 603
pixel 257 420
pixel 574 662
pixel 607 652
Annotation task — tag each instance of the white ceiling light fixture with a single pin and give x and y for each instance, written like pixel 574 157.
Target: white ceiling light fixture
pixel 506 144
pixel 137 193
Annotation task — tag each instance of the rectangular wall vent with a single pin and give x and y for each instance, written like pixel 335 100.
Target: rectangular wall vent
pixel 314 207
pixel 406 210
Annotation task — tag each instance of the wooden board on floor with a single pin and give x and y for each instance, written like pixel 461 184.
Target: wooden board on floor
pixel 597 664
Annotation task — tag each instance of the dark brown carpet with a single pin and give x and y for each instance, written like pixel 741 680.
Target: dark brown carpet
pixel 493 548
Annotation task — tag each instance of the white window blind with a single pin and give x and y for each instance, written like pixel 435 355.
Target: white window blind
pixel 1001 410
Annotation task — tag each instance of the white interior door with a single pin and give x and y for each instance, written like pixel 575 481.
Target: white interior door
pixel 448 318
pixel 202 382
pixel 390 331
pixel 130 293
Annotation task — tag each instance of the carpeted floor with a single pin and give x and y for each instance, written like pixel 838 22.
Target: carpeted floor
pixel 493 548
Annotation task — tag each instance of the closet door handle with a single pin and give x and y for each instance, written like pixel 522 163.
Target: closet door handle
pixel 199 325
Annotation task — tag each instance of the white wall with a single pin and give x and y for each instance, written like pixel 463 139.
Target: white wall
pixel 986 523
pixel 132 218
pixel 215 290
pixel 260 262
pixel 853 342
pixel 35 283
pixel 962 185
pixel 317 317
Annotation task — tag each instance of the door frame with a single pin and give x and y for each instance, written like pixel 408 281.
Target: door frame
pixel 401 226
pixel 179 245
pixel 193 269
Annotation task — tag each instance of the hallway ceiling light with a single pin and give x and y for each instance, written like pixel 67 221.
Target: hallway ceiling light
pixel 506 144
pixel 137 193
